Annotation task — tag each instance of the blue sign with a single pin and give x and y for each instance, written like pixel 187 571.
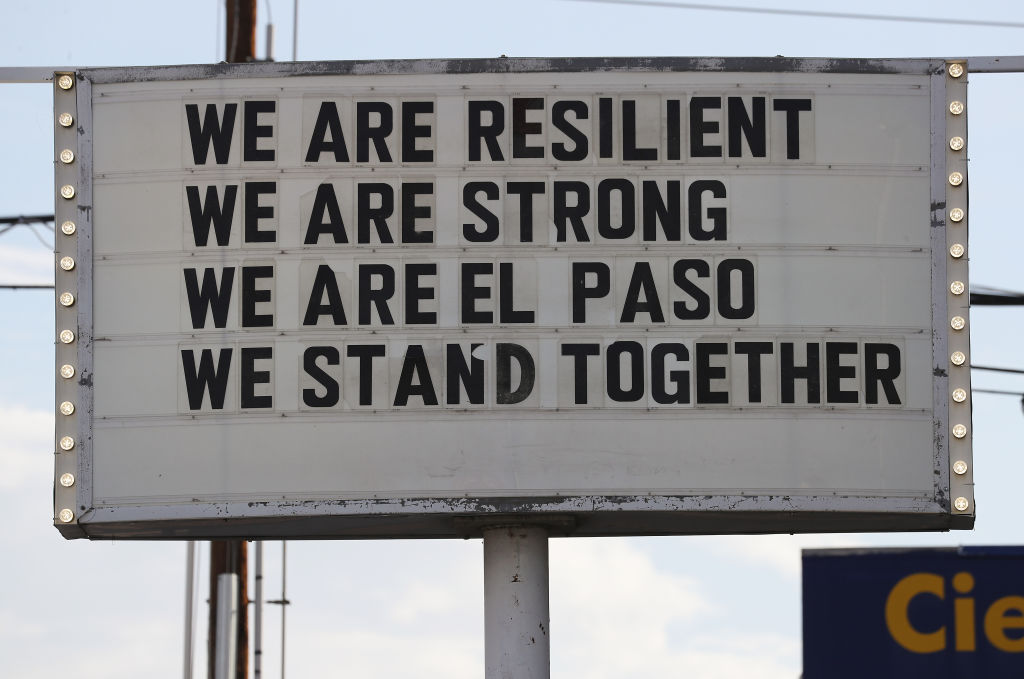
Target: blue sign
pixel 936 613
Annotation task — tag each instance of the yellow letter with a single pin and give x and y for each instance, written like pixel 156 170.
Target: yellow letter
pixel 963 626
pixel 896 613
pixel 996 622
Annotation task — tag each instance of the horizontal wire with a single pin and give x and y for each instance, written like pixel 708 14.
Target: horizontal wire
pixel 666 4
pixel 1015 371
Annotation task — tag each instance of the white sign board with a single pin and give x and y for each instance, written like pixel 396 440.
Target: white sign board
pixel 399 299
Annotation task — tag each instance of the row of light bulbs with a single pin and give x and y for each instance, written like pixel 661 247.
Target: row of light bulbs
pixel 66 299
pixel 956 251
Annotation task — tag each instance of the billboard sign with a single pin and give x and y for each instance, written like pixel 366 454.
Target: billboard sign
pixel 387 298
pixel 949 612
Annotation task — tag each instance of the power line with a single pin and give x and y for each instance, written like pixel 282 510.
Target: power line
pixel 808 13
pixel 1014 371
pixel 984 296
pixel 27 219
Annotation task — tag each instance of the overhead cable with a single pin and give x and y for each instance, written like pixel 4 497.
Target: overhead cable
pixel 667 4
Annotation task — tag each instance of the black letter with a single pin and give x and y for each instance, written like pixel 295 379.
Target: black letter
pixel 703 308
pixel 704 372
pixel 581 146
pixel 873 375
pixel 521 128
pixel 753 130
pixel 250 296
pixel 636 371
pixel 580 291
pixel 327 119
pixel 378 216
pixel 754 351
pixel 563 214
pixel 209 297
pixel 504 353
pixel 470 376
pixel 379 133
pixel 792 107
pixel 490 220
pixel 253 131
pixel 657 210
pixel 834 372
pixel 411 212
pixel 791 373
pixel 674 129
pixel 414 293
pixel 695 195
pixel 203 214
pixel 251 377
pixel 604 208
pixel 411 132
pixel 580 352
pixel 699 127
pixel 488 133
pixel 680 378
pixel 471 292
pixel 207 377
pixel 255 212
pixel 642 278
pixel 379 297
pixel 332 392
pixel 365 353
pixel 326 201
pixel 325 281
pixel 746 269
pixel 604 127
pixel 526 191
pixel 210 128
pixel 629 149
pixel 415 363
pixel 506 304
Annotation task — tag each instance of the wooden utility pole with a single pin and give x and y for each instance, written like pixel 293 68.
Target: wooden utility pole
pixel 241 31
pixel 232 556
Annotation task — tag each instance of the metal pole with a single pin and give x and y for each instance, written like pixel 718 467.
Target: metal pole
pixel 190 564
pixel 284 599
pixel 258 632
pixel 516 618
pixel 227 625
pixel 295 32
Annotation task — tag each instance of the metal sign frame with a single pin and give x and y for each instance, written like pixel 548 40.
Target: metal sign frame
pixel 949 504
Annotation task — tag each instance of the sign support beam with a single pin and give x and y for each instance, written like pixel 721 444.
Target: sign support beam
pixel 516 618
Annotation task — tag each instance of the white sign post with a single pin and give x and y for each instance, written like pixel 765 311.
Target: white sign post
pixel 390 299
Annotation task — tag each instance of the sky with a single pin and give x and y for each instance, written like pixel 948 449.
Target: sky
pixel 707 607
